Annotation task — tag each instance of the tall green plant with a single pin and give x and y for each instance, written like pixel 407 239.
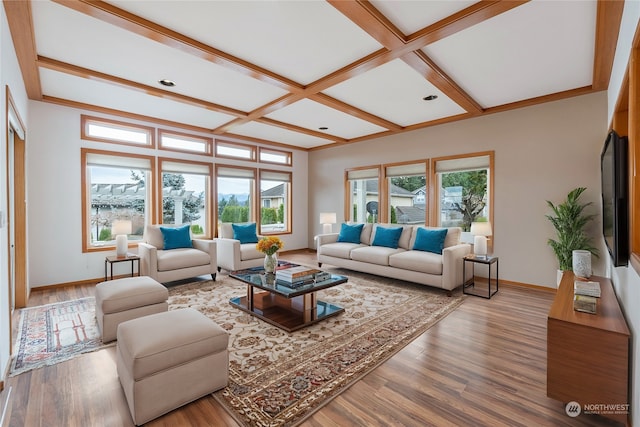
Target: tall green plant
pixel 569 220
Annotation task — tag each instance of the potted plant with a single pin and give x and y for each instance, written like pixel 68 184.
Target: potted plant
pixel 570 220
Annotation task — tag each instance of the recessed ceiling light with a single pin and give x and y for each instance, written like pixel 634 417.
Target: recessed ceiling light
pixel 323 128
pixel 430 97
pixel 167 82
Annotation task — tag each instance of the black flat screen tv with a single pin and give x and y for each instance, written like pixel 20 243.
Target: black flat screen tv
pixel 615 198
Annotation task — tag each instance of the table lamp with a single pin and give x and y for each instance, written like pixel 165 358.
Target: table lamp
pixel 120 229
pixel 327 219
pixel 480 231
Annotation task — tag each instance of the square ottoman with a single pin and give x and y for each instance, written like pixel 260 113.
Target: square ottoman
pixel 169 359
pixel 124 299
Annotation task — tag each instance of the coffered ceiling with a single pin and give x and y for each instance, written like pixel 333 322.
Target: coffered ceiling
pixel 311 74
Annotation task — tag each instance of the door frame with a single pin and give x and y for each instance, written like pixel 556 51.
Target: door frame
pixel 17 218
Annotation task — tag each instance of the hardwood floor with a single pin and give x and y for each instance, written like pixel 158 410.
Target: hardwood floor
pixel 483 365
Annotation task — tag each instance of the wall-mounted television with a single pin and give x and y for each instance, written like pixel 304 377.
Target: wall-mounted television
pixel 615 198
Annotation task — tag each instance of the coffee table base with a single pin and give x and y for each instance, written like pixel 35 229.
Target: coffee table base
pixel 288 314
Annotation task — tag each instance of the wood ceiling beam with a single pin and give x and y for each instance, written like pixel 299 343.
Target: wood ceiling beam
pixel 115 16
pixel 287 126
pixel 86 73
pixel 420 62
pixel 24 41
pixel 609 17
pixel 353 111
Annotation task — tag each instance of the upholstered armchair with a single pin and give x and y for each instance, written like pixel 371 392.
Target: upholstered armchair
pixel 170 254
pixel 237 247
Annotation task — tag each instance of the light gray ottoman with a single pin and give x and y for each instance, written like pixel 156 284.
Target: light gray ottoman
pixel 124 299
pixel 169 359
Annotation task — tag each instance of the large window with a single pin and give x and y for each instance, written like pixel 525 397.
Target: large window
pixel 186 195
pixel 463 190
pixel 362 195
pixel 115 187
pixel 275 196
pixel 235 194
pixel 406 193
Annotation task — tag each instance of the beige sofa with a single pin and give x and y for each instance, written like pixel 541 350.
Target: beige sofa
pixel 438 270
pixel 164 265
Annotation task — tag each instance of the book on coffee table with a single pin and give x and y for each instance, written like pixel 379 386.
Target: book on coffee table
pixel 591 289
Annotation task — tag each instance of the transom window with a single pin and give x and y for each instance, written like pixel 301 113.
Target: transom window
pixel 268 155
pixel 235 150
pixel 106 130
pixel 176 141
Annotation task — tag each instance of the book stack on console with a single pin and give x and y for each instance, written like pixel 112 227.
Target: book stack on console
pixel 584 296
pixel 296 276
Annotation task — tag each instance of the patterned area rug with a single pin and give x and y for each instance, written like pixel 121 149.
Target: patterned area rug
pixel 278 378
pixel 52 333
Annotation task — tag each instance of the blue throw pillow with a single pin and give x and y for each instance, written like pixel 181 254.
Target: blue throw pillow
pixel 350 233
pixel 388 237
pixel 430 240
pixel 176 237
pixel 246 233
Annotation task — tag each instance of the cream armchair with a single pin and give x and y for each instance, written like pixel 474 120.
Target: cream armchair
pixel 167 265
pixel 233 255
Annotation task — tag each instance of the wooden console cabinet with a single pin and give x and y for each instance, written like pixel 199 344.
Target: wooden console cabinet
pixel 588 354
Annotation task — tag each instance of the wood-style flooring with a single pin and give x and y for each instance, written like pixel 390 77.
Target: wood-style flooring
pixel 483 365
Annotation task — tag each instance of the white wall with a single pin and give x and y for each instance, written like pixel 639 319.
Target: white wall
pixel 541 153
pixel 9 76
pixel 626 280
pixel 55 216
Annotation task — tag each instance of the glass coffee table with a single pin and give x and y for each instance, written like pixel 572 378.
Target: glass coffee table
pixel 285 307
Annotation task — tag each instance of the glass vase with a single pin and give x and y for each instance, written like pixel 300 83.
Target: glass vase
pixel 270 263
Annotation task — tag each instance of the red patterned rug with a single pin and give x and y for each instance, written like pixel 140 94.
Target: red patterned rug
pixel 52 333
pixel 278 378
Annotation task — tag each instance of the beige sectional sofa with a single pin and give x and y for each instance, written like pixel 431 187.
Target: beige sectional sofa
pixel 428 268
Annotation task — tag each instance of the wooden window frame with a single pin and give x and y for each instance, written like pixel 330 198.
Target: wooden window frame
pixel 435 193
pixel 208 193
pixel 287 154
pixel 208 142
pixel 86 194
pixel 289 208
pixel 384 186
pixel 85 120
pixel 252 191
pixel 348 207
pixel 252 150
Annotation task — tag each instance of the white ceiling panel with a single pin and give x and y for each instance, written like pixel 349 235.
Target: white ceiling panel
pixel 394 91
pixel 313 115
pixel 300 40
pixel 497 54
pixel 77 89
pixel 410 15
pixel 274 133
pixel 530 51
pixel 117 52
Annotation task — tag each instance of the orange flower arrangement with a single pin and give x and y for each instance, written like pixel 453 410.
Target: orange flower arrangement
pixel 269 245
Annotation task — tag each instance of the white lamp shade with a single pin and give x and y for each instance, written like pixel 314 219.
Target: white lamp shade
pixel 119 227
pixel 122 245
pixel 481 229
pixel 327 218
